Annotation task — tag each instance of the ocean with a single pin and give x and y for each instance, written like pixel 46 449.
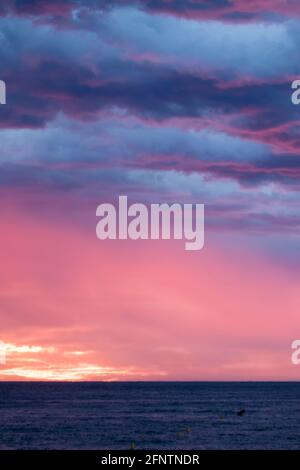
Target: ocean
pixel 153 415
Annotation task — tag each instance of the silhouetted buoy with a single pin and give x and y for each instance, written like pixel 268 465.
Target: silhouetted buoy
pixel 241 412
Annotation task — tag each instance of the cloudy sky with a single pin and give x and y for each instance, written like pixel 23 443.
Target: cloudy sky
pixel 175 101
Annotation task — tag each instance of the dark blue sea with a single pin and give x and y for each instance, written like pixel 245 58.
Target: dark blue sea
pixel 177 415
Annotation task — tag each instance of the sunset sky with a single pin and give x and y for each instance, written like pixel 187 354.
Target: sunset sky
pixel 162 101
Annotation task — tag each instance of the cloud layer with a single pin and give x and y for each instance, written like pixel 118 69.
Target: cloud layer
pixel 173 101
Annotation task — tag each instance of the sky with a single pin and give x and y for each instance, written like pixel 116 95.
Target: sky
pixel 162 101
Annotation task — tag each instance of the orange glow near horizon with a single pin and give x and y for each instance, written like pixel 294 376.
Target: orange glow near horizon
pixel 75 308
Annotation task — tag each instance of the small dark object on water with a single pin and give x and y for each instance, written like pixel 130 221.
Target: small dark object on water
pixel 241 412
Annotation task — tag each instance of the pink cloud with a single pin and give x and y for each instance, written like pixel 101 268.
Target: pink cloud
pixel 131 310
